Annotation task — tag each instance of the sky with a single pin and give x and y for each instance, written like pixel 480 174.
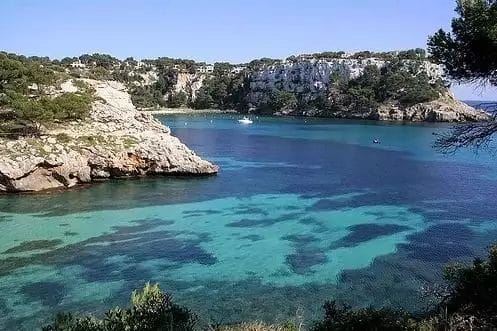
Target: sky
pixel 222 30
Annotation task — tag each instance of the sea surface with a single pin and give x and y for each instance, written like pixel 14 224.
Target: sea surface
pixel 302 211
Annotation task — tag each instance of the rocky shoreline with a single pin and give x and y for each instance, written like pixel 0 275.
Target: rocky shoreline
pixel 187 111
pixel 116 141
pixel 445 109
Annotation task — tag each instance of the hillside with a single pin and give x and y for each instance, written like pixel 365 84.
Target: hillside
pixel 57 132
pixel 402 86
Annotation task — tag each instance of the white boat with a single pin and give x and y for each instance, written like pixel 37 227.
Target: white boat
pixel 245 120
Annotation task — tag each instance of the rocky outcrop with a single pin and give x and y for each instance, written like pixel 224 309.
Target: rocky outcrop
pixel 116 141
pixel 189 83
pixel 310 79
pixel 445 109
pixel 313 76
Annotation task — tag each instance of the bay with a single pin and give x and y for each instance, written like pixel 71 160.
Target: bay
pixel 302 211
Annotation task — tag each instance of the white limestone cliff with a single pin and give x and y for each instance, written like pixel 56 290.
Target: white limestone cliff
pixel 115 141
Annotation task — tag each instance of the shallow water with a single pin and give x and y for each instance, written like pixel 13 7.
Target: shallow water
pixel 302 211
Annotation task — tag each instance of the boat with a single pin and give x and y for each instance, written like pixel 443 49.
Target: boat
pixel 245 120
pixel 376 141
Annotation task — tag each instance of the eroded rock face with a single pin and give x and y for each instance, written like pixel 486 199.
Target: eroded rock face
pixel 115 141
pixel 312 77
pixel 445 109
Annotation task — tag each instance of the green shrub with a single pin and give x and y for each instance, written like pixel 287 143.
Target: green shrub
pixel 151 310
pixel 473 289
pixel 68 106
pixel 63 137
pixel 146 97
pixel 282 100
pixel 177 100
pixel 83 86
pixel 399 82
pixel 18 128
pixel 203 99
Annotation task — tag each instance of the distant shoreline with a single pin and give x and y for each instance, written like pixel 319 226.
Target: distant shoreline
pixel 166 111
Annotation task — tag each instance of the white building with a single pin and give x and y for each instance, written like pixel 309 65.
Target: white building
pixel 78 64
pixel 206 69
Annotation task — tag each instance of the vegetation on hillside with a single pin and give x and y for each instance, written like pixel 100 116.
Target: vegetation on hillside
pixel 29 98
pixel 468 303
pixel 222 90
pixel 411 54
pixel 400 83
pixel 27 84
pixel 397 82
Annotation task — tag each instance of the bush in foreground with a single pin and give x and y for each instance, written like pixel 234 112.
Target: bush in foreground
pixel 151 310
pixel 473 289
pixel 344 318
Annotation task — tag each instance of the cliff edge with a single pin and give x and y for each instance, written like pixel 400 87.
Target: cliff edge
pixel 114 141
pixel 444 109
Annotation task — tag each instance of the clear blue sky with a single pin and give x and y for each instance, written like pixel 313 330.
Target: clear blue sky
pixel 220 30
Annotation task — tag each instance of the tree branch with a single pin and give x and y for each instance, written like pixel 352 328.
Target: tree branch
pixel 476 135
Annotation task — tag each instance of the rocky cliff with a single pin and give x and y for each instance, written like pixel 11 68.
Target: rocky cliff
pixel 310 80
pixel 400 86
pixel 314 75
pixel 444 109
pixel 115 141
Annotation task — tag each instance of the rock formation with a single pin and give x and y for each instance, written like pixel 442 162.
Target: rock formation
pixel 314 83
pixel 309 78
pixel 445 109
pixel 115 141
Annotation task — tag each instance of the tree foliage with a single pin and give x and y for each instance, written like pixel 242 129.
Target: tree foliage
pixel 281 100
pixel 67 106
pixel 473 289
pixel 24 98
pixel 398 82
pixel 146 96
pixel 23 82
pixel 469 54
pixel 19 74
pixel 222 90
pixel 99 60
pixel 177 99
pixel 343 318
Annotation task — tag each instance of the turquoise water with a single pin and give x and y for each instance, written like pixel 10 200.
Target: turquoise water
pixel 302 211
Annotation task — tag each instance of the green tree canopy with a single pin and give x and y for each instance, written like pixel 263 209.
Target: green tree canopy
pixel 469 52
